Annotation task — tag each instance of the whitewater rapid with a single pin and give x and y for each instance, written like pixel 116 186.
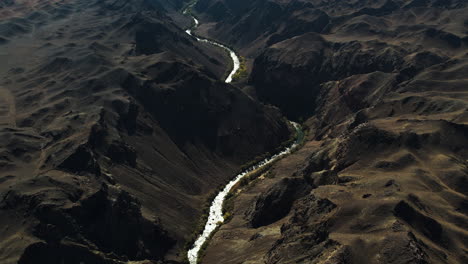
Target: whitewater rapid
pixel 215 217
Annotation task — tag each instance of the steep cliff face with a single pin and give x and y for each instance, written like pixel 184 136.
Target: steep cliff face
pixel 115 127
pixel 298 69
pixel 251 25
pixel 263 23
pixel 295 46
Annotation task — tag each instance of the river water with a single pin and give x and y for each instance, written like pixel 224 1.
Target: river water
pixel 234 57
pixel 215 217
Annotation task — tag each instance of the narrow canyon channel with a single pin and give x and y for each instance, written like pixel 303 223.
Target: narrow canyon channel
pixel 234 57
pixel 215 217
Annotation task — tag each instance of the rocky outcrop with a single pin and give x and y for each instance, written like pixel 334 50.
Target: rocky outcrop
pixel 277 202
pixel 426 225
pixel 288 71
pixel 81 160
pixel 309 225
pixel 85 225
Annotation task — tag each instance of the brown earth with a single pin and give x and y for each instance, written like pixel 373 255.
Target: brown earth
pixel 382 86
pixel 115 128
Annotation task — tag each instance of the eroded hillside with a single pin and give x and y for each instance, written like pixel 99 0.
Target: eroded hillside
pixel 382 86
pixel 115 128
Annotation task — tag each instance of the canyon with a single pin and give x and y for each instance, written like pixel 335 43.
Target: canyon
pixel 120 122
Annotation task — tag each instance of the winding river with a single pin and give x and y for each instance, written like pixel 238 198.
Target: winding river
pixel 234 57
pixel 215 217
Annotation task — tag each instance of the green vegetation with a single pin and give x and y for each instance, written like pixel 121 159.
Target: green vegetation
pixel 251 178
pixel 242 73
pixel 298 137
pixel 301 135
pixel 230 65
pixel 198 228
pixel 203 248
pixel 228 206
pixel 254 161
pixel 270 175
pixel 256 174
pixel 200 225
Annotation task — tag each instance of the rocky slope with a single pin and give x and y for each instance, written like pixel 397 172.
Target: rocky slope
pixel 115 128
pixel 381 86
pixel 319 41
